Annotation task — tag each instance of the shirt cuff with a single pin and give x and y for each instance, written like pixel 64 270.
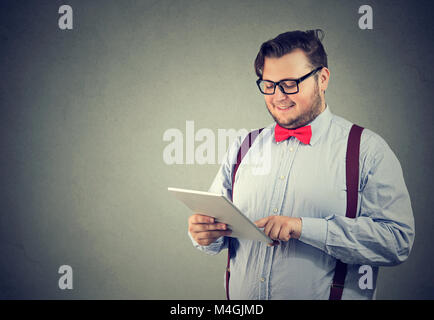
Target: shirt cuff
pixel 212 248
pixel 314 232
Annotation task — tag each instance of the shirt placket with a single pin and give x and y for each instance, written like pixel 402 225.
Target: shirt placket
pixel 287 152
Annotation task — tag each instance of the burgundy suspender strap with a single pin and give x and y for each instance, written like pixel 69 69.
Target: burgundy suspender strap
pixel 244 148
pixel 352 181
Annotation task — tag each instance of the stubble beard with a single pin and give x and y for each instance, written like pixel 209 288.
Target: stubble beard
pixel 306 117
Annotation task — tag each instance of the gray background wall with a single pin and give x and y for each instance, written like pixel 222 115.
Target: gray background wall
pixel 83 112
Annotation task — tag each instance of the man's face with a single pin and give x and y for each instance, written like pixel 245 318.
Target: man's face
pixel 295 110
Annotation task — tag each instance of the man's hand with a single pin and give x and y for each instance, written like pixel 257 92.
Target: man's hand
pixel 205 230
pixel 280 227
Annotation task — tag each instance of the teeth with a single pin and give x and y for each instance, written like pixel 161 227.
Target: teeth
pixel 286 107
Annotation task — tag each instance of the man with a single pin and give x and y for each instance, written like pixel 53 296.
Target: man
pixel 301 201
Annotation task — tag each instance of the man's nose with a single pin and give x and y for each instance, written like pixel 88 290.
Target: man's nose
pixel 279 94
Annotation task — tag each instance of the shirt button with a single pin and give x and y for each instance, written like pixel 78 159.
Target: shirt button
pixel 291 149
pixel 282 177
pixel 275 210
pixel 262 279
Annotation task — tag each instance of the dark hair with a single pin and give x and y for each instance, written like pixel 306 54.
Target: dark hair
pixel 309 41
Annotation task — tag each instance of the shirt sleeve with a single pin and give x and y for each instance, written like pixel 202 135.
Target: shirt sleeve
pixel 383 232
pixel 222 184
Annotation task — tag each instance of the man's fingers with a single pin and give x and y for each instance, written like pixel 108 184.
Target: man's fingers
pixel 285 233
pixel 200 227
pixel 200 218
pixel 267 223
pixel 274 233
pixel 212 234
pixel 262 222
pixel 268 228
pixel 205 230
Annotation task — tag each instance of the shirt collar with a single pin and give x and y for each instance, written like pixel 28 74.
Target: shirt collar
pixel 320 124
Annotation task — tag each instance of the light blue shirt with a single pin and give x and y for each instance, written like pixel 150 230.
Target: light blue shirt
pixel 308 181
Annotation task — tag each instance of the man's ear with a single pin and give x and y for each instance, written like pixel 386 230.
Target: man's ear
pixel 324 78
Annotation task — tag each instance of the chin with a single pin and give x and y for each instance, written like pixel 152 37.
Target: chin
pixel 285 123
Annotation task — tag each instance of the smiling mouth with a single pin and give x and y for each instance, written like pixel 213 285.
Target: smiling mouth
pixel 285 107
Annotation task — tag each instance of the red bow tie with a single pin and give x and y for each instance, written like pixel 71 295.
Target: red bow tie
pixel 303 133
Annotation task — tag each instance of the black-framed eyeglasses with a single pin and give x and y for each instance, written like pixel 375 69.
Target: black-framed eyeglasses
pixel 287 86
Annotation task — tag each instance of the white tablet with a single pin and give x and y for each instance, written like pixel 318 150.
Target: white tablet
pixel 223 210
